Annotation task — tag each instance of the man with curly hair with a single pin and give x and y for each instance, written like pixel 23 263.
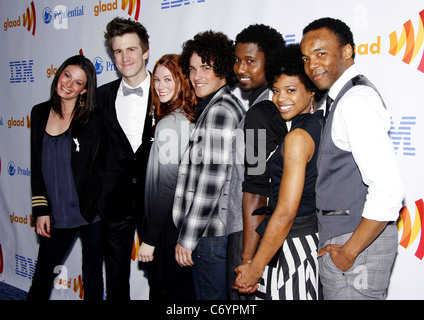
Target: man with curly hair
pixel 207 60
pixel 263 129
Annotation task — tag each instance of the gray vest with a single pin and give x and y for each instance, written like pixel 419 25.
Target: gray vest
pixel 340 191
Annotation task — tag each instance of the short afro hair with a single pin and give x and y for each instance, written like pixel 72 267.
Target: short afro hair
pixel 268 39
pixel 215 49
pixel 289 62
pixel 338 27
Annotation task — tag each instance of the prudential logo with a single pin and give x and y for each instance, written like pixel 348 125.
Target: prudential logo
pixel 60 15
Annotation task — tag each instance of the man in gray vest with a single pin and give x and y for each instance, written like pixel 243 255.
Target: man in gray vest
pixel 359 191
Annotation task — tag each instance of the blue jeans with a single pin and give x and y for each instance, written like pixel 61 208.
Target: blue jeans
pixel 209 270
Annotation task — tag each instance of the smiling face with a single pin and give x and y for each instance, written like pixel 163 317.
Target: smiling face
pixel 130 58
pixel 290 96
pixel 164 84
pixel 71 83
pixel 249 66
pixel 324 57
pixel 203 78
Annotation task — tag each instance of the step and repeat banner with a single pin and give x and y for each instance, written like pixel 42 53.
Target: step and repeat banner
pixel 38 35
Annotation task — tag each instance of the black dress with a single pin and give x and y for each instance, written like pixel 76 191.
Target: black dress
pixel 293 272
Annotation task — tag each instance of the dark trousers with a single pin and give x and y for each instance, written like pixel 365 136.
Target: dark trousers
pixel 53 251
pixel 234 251
pixel 118 244
pixel 167 279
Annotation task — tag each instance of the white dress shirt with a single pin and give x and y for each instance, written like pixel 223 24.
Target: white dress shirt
pixel 361 125
pixel 131 112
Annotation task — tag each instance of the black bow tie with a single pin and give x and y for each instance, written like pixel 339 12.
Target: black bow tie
pixel 127 91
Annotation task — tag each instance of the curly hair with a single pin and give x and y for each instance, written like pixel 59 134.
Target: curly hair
pixel 184 97
pixel 215 49
pixel 268 39
pixel 120 26
pixel 338 27
pixel 289 62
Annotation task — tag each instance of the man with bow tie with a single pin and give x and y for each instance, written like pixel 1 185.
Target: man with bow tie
pixel 125 105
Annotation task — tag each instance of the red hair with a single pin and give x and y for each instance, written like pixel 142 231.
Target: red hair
pixel 184 97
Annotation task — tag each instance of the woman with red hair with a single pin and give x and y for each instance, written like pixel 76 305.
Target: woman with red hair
pixel 173 107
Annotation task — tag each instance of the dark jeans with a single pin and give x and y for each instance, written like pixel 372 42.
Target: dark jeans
pixel 209 270
pixel 52 252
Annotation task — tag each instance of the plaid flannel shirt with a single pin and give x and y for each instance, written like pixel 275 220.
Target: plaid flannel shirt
pixel 203 170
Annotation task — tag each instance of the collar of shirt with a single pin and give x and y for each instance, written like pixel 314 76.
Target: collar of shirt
pixel 337 86
pixel 145 85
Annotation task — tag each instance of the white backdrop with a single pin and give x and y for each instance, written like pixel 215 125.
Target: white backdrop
pixel 37 36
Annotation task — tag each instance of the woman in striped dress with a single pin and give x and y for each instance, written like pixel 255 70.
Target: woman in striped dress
pixel 285 265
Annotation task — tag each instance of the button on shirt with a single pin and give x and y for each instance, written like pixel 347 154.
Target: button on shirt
pixel 131 112
pixel 361 125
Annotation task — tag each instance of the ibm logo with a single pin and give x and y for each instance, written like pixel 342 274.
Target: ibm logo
pixel 290 38
pixel 402 135
pixel 21 71
pixel 24 267
pixel 166 4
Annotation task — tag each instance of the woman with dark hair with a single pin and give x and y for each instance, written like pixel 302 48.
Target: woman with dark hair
pixel 285 264
pixel 66 153
pixel 173 107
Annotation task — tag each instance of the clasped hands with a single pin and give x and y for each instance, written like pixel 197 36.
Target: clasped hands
pixel 248 274
pixel 247 278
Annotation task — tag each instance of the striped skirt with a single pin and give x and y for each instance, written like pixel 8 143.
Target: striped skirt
pixel 293 272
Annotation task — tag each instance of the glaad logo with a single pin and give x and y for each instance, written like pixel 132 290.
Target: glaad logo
pixel 21 71
pixel 411 231
pixel 19 123
pixel 132 5
pixel 22 220
pixel 166 4
pixel 413 45
pixel 62 282
pixel 28 20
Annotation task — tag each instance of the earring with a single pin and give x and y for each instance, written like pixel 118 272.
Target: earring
pixel 312 106
pixel 81 101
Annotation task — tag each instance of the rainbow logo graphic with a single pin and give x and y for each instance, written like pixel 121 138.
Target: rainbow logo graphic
pixel 29 18
pixel 136 246
pixel 413 44
pixel 131 4
pixel 411 232
pixel 78 287
pixel 1 261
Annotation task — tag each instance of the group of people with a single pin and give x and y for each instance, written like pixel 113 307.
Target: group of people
pixel 238 185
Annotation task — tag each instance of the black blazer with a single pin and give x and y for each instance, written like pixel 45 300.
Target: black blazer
pixel 125 171
pixel 86 164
